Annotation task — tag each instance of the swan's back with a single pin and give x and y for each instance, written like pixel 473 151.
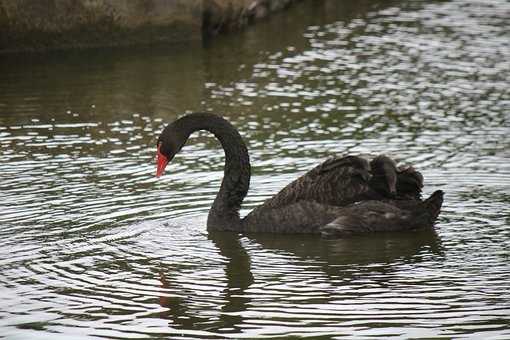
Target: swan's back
pixel 336 182
pixel 340 181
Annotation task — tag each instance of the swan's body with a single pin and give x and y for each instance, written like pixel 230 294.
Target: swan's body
pixel 321 201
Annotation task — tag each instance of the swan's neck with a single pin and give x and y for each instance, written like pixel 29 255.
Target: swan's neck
pixel 224 213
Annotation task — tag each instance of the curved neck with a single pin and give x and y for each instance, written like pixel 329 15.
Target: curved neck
pixel 224 213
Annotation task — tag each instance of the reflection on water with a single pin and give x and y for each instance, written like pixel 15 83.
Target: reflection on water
pixel 296 275
pixel 95 246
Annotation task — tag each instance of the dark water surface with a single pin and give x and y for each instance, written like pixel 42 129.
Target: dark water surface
pixel 94 246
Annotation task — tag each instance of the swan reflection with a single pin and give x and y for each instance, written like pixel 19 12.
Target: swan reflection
pixel 267 269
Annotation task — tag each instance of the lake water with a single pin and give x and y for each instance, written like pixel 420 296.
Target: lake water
pixel 94 246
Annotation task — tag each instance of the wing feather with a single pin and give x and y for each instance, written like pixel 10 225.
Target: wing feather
pixel 337 181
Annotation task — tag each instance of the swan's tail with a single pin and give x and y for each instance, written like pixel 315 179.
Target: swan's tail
pixel 369 216
pixel 433 204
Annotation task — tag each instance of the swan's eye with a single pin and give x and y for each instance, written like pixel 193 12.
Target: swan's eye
pixel 163 150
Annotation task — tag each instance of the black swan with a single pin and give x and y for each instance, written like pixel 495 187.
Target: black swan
pixel 339 197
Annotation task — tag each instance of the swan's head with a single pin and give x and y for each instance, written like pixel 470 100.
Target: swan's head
pixel 170 142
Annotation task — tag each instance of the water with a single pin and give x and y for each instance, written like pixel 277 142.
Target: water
pixel 94 246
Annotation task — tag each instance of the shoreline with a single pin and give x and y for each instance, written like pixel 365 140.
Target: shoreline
pixel 34 26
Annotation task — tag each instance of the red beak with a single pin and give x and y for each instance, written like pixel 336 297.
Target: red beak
pixel 162 162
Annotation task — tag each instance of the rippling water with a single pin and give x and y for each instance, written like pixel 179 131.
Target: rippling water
pixel 94 246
